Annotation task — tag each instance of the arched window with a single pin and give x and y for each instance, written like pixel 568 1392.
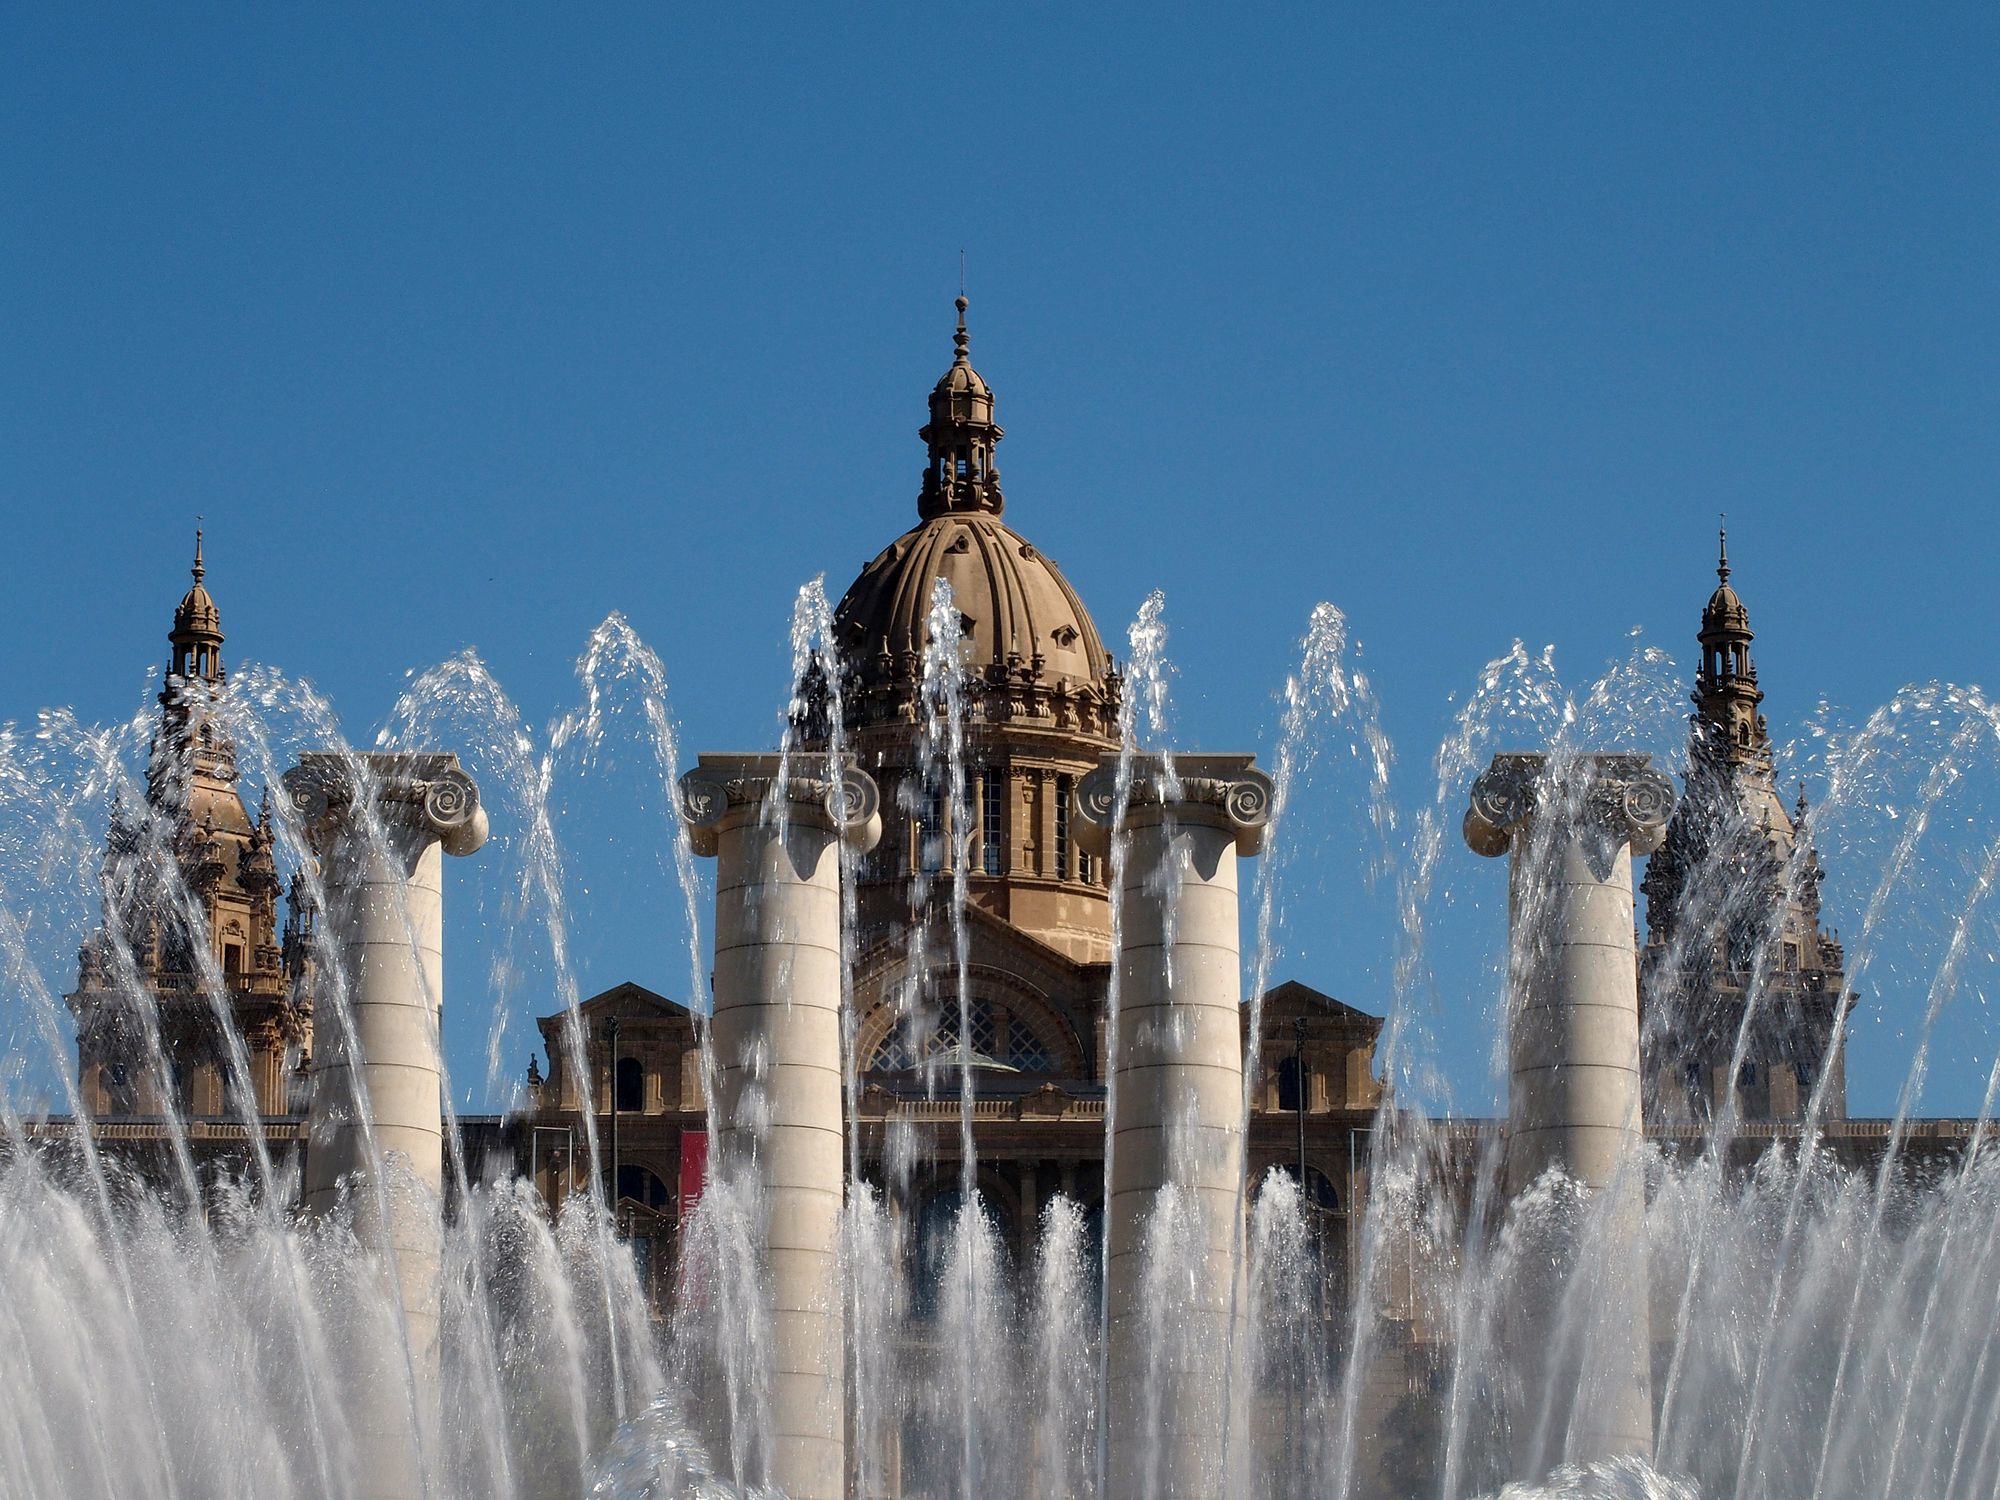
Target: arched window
pixel 1001 1038
pixel 1326 1239
pixel 630 1090
pixel 641 1186
pixel 1320 1192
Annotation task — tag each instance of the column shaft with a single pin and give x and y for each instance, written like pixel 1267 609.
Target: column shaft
pixel 776 1039
pixel 1176 1151
pixel 379 824
pixel 1573 1092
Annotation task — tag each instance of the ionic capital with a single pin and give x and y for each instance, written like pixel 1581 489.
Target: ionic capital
pixel 1616 799
pixel 798 788
pixel 1217 788
pixel 423 793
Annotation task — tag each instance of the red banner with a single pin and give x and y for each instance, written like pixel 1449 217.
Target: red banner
pixel 694 1169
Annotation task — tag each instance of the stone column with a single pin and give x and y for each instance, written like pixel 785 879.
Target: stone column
pixel 378 824
pixel 776 1035
pixel 1178 1132
pixel 1572 827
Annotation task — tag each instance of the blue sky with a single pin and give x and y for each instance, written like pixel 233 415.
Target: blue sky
pixel 466 326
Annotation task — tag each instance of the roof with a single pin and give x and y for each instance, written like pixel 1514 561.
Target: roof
pixel 1292 997
pixel 625 1001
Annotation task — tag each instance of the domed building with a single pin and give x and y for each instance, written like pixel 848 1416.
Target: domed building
pixel 1039 701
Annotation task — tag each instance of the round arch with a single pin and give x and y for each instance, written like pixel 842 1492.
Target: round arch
pixel 1013 1022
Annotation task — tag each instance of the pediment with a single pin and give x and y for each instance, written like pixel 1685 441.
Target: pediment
pixel 626 1002
pixel 1295 999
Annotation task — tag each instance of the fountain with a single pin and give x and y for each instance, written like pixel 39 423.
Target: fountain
pixel 377 824
pixel 1573 1094
pixel 1175 1161
pixel 1013 1189
pixel 774 829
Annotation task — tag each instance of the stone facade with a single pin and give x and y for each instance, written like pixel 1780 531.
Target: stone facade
pixel 1041 699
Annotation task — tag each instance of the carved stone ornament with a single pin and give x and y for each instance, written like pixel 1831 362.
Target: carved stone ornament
pixel 720 785
pixel 1623 799
pixel 424 791
pixel 1181 786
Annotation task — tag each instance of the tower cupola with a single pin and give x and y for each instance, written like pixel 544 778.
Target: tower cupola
pixel 196 638
pixel 961 476
pixel 1726 694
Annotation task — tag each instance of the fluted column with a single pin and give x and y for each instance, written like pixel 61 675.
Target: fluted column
pixel 1571 828
pixel 379 824
pixel 776 1036
pixel 1176 1151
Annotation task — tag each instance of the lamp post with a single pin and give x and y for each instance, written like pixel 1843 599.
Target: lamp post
pixel 611 1047
pixel 1305 1188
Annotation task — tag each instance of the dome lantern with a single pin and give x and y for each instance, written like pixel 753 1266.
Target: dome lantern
pixel 961 475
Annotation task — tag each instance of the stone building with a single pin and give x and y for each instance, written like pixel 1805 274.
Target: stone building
pixel 1753 911
pixel 222 952
pixel 1040 706
pixel 207 948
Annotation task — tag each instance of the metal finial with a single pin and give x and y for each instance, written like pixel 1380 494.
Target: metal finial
pixel 1722 549
pixel 199 570
pixel 961 340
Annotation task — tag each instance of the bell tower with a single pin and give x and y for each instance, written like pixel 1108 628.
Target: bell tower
pixel 1733 913
pixel 191 894
pixel 1730 729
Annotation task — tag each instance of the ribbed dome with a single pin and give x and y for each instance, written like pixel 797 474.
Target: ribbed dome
pixel 1725 613
pixel 197 614
pixel 1030 653
pixel 1015 607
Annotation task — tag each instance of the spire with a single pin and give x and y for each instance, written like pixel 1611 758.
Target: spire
pixel 1726 695
pixel 192 741
pixel 961 476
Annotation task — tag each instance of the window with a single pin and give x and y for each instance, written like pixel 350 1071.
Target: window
pixel 1804 1072
pixel 1746 1076
pixel 930 834
pixel 180 1073
pixel 1290 1092
pixel 992 821
pixel 1000 1037
pixel 232 958
pixel 120 1098
pixel 1319 1190
pixel 638 1185
pixel 630 1091
pixel 1063 827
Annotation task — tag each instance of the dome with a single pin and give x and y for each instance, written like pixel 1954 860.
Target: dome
pixel 1029 648
pixel 1725 613
pixel 196 615
pixel 1016 610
